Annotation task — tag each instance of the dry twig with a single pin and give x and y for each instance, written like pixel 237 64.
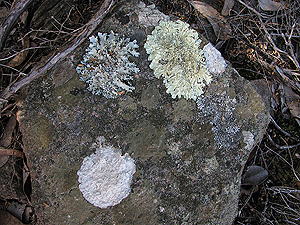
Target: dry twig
pixel 87 29
pixel 18 8
pixel 288 43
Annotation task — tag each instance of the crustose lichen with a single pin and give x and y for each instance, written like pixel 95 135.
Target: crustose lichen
pixel 105 66
pixel 105 176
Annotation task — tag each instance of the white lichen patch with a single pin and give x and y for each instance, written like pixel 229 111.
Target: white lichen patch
pixel 174 149
pixel 248 139
pixel 105 66
pixel 210 165
pixel 149 15
pixel 174 49
pixel 105 176
pixel 215 63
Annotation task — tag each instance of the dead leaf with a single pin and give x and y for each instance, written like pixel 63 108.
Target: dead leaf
pixel 26 174
pixel 19 58
pixel 16 209
pixel 5 140
pixel 3 160
pixel 13 152
pixel 228 5
pixel 8 219
pixel 11 177
pixel 269 5
pixel 219 23
pixel 293 102
pixel 6 137
pixel 255 175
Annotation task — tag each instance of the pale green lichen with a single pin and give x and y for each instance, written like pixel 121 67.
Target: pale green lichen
pixel 175 52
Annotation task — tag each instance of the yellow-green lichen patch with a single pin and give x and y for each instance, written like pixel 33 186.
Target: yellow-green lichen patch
pixel 175 52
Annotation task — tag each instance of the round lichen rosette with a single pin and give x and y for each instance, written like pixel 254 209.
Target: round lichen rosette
pixel 174 50
pixel 106 67
pixel 105 176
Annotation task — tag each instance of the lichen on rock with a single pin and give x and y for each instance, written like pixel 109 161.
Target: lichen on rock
pixel 175 52
pixel 215 63
pixel 106 175
pixel 218 109
pixel 149 15
pixel 105 66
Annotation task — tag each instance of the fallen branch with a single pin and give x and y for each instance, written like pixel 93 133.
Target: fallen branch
pixel 282 147
pixel 38 71
pixel 279 128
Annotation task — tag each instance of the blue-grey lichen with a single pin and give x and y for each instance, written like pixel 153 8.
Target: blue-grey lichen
pixel 175 52
pixel 105 66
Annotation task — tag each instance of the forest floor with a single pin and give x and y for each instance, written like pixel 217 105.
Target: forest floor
pixel 261 39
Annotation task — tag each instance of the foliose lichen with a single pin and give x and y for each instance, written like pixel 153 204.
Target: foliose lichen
pixel 175 52
pixel 106 175
pixel 106 67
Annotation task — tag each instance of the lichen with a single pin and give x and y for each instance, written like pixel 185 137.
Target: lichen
pixel 149 15
pixel 175 52
pixel 215 63
pixel 106 67
pixel 106 175
pixel 248 140
pixel 218 109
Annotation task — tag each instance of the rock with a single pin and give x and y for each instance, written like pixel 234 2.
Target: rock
pixel 189 155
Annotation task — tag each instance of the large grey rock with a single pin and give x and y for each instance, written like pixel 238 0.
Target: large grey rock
pixel 189 155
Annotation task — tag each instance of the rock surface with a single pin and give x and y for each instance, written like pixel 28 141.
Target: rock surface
pixel 189 155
